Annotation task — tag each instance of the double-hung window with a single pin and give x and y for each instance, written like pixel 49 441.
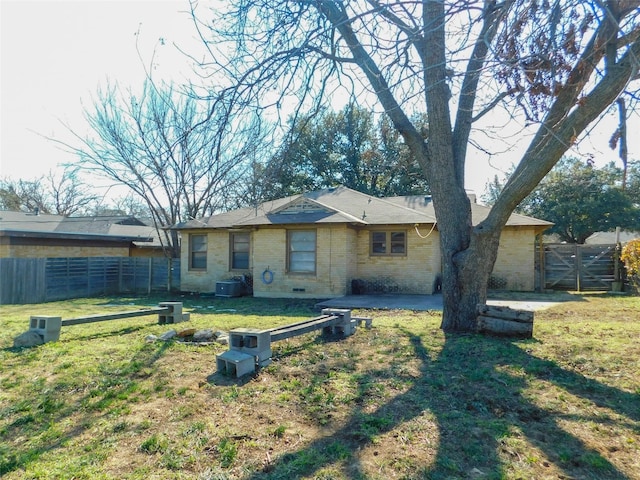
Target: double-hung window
pixel 197 252
pixel 388 243
pixel 239 251
pixel 301 251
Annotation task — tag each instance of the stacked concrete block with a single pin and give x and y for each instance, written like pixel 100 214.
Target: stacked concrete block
pixel 366 320
pixel 251 348
pixel 47 326
pixel 174 315
pixel 252 342
pixel 346 327
pixel 248 349
pixel 234 363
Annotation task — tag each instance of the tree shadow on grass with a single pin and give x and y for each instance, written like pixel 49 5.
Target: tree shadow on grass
pixel 221 379
pixel 107 333
pixel 40 422
pixel 475 389
pixel 495 374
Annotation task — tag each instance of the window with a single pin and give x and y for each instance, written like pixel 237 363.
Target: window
pixel 388 243
pixel 240 251
pixel 301 256
pixel 197 252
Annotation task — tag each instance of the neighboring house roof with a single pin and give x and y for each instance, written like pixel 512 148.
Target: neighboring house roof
pixel 607 238
pixel 342 205
pixel 114 228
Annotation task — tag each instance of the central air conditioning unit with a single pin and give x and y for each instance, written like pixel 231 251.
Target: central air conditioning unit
pixel 229 288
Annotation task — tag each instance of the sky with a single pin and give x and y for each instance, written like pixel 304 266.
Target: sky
pixel 55 54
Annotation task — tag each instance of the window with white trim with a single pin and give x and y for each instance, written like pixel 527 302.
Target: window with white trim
pixel 239 250
pixel 197 252
pixel 301 251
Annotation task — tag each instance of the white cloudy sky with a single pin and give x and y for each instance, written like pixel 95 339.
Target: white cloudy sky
pixel 56 53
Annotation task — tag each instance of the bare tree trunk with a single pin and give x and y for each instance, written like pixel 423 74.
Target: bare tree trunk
pixel 465 278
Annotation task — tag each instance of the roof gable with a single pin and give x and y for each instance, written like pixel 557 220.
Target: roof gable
pixel 300 205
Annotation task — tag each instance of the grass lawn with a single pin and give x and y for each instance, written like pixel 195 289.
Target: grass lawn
pixel 401 400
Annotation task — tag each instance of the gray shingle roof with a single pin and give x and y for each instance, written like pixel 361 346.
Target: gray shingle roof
pixel 57 226
pixel 341 205
pixel 478 212
pixel 600 238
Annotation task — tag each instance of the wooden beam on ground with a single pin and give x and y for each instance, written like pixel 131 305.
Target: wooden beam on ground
pixel 506 313
pixel 504 321
pixel 505 328
pixel 307 326
pixel 115 316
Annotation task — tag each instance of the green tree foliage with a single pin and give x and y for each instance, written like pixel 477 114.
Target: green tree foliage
pixel 630 256
pixel 343 148
pixel 580 200
pixel 632 186
pixel 10 198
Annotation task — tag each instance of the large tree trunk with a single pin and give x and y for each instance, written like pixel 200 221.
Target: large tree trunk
pixel 466 274
pixel 462 291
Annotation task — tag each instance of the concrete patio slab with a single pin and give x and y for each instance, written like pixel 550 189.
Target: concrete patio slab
pixel 385 302
pixel 422 302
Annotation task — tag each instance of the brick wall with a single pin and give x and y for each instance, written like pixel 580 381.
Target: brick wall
pixel 146 252
pixel 333 261
pixel 414 273
pixel 217 262
pixel 343 255
pixel 514 268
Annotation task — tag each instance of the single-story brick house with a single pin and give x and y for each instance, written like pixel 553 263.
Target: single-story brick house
pixel 337 241
pixel 37 235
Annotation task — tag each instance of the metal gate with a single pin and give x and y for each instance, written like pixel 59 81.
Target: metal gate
pixel 578 267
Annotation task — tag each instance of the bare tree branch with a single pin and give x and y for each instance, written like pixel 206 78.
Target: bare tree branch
pixel 182 156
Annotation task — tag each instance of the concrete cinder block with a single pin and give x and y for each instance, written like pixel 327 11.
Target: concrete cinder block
pixel 367 321
pixel 252 342
pixel 47 326
pixel 173 316
pixel 235 364
pixel 353 325
pixel 346 327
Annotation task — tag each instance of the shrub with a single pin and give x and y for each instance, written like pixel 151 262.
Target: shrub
pixel 631 257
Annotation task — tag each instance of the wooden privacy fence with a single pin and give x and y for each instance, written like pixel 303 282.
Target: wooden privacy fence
pixel 576 267
pixel 38 280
